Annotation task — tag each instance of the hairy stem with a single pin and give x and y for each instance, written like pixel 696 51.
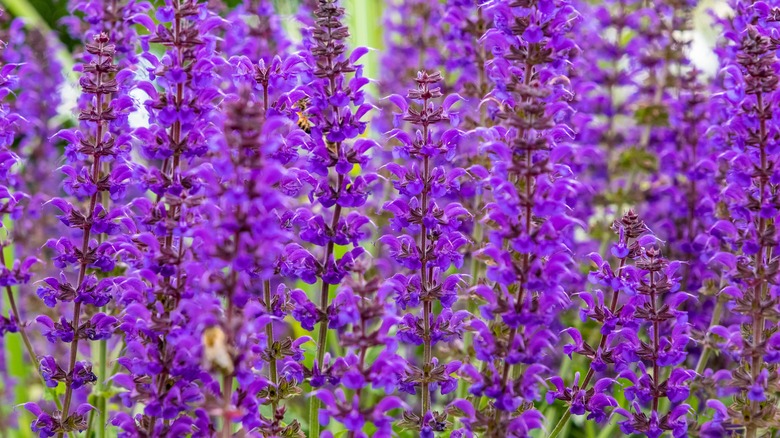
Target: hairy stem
pixel 85 246
pixel 701 365
pixel 602 343
pixel 427 347
pixel 656 343
pixel 759 288
pixel 269 333
pixel 528 181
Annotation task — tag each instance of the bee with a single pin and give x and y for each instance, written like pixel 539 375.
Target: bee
pixel 303 120
pixel 216 350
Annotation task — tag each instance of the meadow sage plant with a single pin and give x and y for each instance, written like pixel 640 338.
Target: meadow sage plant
pixel 538 218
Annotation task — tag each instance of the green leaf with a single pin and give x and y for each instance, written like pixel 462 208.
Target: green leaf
pixel 652 115
pixel 637 159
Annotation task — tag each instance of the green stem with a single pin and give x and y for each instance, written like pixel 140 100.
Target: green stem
pixel 91 419
pixel 705 353
pixel 608 431
pixel 561 424
pixel 314 419
pixel 105 387
pixel 102 377
pixel 28 345
pixel 269 332
pixel 322 340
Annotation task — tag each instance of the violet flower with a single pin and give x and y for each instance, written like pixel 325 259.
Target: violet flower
pixel 159 303
pixel 750 83
pixel 656 308
pixel 245 211
pixel 427 240
pixel 605 308
pixel 35 98
pixel 336 108
pixel 362 316
pixel 14 270
pixel 256 32
pixel 603 80
pixel 529 260
pixel 236 255
pixel 11 199
pixel 87 151
pixel 412 32
pixel 117 19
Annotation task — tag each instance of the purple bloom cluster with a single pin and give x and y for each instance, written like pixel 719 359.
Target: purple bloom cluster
pixel 427 241
pixel 94 167
pixel 12 199
pixel 547 211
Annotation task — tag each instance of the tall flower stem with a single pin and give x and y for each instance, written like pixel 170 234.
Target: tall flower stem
pixel 425 393
pixel 701 365
pixel 175 139
pixel 426 283
pixel 656 343
pixel 322 339
pixel 102 400
pixel 589 376
pixel 759 288
pixel 528 181
pixel 602 343
pixel 331 32
pixel 629 228
pixel 477 234
pixel 427 353
pixel 87 231
pixel 269 333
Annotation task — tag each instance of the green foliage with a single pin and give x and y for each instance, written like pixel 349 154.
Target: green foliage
pixel 652 115
pixel 636 159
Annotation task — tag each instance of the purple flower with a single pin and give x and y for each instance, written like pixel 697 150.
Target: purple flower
pixel 225 187
pixel 432 246
pixel 52 373
pixel 82 375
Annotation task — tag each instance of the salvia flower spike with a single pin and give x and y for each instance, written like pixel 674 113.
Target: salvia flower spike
pixel 539 218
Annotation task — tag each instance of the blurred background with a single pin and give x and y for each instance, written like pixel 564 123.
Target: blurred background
pixel 366 20
pixel 365 24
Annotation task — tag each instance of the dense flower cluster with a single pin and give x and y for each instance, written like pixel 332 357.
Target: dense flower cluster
pixel 543 218
pixel 95 167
